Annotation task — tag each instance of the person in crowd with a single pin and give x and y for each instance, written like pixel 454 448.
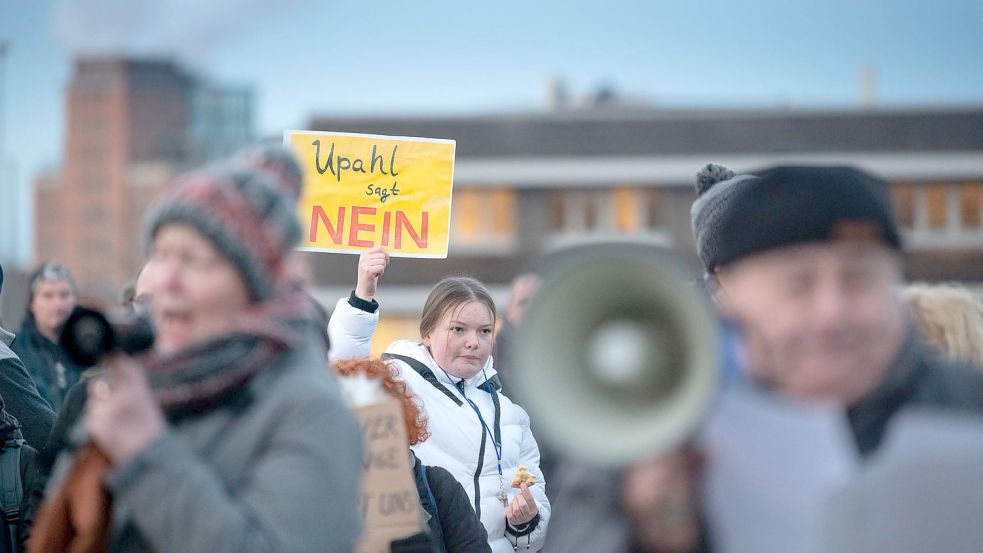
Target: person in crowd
pixel 523 289
pixel 21 397
pixel 52 297
pixel 229 435
pixel 136 296
pixel 950 318
pixel 17 462
pixel 17 454
pixel 478 434
pixel 451 520
pixel 135 299
pixel 807 261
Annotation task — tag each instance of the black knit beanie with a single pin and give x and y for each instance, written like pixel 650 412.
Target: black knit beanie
pixel 739 215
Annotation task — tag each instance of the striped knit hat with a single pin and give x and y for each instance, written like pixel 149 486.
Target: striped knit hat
pixel 278 164
pixel 246 209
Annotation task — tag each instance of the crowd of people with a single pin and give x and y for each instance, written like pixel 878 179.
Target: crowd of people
pixel 230 433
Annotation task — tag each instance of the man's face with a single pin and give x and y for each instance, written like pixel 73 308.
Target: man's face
pixel 51 304
pixel 143 291
pixel 822 320
pixel 522 293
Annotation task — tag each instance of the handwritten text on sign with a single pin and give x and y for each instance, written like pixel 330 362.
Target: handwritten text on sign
pixel 389 501
pixel 367 190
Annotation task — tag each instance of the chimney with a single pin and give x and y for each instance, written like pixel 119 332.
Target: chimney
pixel 868 87
pixel 558 96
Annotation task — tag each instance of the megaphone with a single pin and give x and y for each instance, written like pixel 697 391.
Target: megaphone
pixel 618 353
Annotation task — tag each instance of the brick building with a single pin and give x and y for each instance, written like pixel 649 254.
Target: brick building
pixel 132 126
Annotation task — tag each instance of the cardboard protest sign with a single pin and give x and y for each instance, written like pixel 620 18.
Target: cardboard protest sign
pixel 365 190
pixel 390 504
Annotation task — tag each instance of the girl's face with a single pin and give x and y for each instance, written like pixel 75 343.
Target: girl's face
pixel 463 339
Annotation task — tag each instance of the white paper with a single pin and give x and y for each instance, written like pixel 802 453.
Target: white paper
pixel 771 466
pixel 921 492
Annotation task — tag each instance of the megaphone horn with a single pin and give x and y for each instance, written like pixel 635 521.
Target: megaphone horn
pixel 618 355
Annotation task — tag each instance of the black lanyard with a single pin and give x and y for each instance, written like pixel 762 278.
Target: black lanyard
pixel 496 436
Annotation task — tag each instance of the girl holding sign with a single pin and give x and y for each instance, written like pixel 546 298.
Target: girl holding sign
pixel 477 433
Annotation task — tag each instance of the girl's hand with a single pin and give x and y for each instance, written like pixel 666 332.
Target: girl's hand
pixel 371 265
pixel 523 507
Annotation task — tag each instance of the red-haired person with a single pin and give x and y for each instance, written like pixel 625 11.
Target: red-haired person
pixel 452 522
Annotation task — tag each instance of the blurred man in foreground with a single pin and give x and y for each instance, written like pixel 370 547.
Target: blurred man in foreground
pixel 807 261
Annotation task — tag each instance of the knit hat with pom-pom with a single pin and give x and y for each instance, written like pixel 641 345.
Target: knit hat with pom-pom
pixel 717 187
pixel 247 209
pixel 739 215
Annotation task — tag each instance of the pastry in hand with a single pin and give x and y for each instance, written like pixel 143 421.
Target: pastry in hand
pixel 523 475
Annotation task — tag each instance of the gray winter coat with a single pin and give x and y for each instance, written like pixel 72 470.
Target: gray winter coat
pixel 276 471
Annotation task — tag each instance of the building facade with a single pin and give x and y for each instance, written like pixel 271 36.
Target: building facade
pixel 526 184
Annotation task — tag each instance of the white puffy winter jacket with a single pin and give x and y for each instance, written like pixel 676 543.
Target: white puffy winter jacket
pixel 457 434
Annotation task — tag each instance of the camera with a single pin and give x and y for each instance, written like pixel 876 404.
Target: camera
pixel 88 335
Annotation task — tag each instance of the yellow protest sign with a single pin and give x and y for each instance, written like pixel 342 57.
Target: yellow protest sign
pixel 363 190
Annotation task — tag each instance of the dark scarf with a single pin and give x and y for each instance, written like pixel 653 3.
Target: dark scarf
pixel 869 418
pixel 203 376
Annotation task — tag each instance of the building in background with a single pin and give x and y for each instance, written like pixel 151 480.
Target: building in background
pixel 221 121
pixel 13 224
pixel 528 183
pixel 132 126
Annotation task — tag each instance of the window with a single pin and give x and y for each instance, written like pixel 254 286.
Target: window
pixel 971 205
pixel 903 196
pixel 627 212
pixel 503 207
pixel 558 219
pixel 467 213
pixel 622 210
pixel 591 207
pixel 483 216
pixel 937 197
pixel 653 204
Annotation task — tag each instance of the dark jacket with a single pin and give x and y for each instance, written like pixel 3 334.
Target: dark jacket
pixel 58 441
pixel 28 461
pixel 456 521
pixel 21 396
pixel 917 378
pixel 46 362
pixel 10 434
